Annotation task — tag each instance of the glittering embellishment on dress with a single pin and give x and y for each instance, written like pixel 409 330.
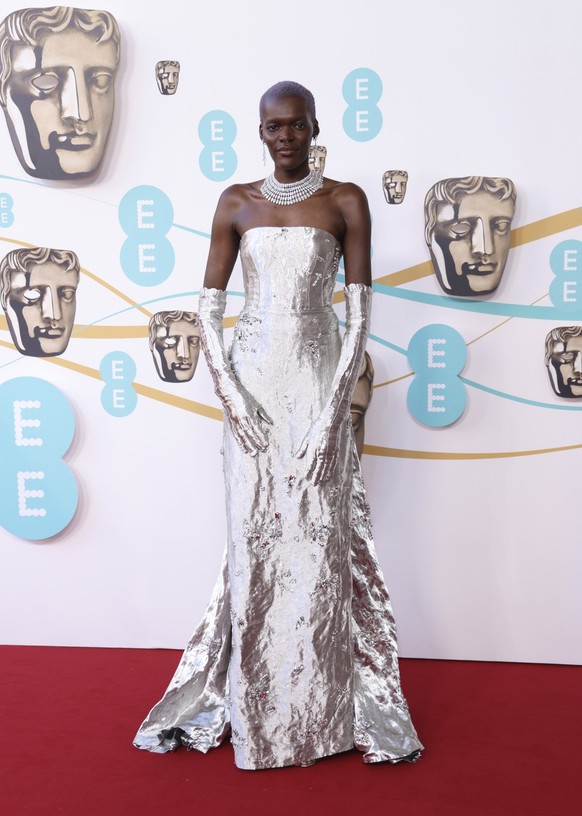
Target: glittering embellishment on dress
pixel 319 533
pixel 247 331
pixel 308 667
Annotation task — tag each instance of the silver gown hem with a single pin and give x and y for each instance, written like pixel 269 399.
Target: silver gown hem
pixel 196 739
pixel 203 740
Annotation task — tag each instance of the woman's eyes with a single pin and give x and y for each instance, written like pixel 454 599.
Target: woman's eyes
pixel 298 126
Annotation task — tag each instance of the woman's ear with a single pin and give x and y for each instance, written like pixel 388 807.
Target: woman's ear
pixel 315 128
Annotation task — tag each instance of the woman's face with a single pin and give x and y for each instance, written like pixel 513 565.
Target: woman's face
pixel 287 129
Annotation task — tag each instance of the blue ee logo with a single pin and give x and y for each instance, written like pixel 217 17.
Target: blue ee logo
pixel 38 492
pixel 146 215
pixel 6 214
pixel 362 118
pixel 566 264
pixel 437 355
pixel 117 370
pixel 217 132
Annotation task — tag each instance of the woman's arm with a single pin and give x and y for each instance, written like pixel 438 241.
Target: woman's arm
pixel 244 414
pixel 224 240
pixel 353 206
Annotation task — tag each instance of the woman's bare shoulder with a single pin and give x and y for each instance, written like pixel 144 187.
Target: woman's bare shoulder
pixel 346 190
pixel 241 193
pixel 236 198
pixel 348 198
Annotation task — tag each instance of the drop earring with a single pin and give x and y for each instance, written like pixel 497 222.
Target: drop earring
pixel 264 153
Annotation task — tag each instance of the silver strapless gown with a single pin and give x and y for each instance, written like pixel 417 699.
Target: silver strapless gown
pixel 296 653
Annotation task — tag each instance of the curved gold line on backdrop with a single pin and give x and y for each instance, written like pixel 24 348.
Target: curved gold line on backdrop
pixel 215 413
pixel 126 332
pixel 145 390
pixel 543 228
pixel 99 332
pixel 401 453
pixel 474 340
pixel 113 332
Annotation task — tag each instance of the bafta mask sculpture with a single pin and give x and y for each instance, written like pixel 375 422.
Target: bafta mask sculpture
pixel 57 76
pixel 167 76
pixel 564 360
pixel 394 185
pixel 175 344
pixel 38 294
pixel 468 228
pixel 317 157
pixel 361 399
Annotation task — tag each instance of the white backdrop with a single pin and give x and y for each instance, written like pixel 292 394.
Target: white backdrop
pixel 473 522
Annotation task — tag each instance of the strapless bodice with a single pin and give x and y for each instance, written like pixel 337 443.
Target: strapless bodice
pixel 289 269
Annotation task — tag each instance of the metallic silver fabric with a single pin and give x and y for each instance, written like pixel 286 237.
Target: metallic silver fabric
pixel 297 649
pixel 321 440
pixel 244 414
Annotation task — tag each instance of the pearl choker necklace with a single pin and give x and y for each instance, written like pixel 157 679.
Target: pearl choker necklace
pixel 278 193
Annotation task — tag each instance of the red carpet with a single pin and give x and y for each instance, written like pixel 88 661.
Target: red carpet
pixel 502 740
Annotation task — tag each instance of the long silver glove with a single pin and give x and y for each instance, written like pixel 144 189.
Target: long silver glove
pixel 243 411
pixel 320 443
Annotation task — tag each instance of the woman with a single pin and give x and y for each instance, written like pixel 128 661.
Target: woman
pixel 296 653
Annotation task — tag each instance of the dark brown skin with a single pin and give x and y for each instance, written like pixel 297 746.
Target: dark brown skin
pixel 339 208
